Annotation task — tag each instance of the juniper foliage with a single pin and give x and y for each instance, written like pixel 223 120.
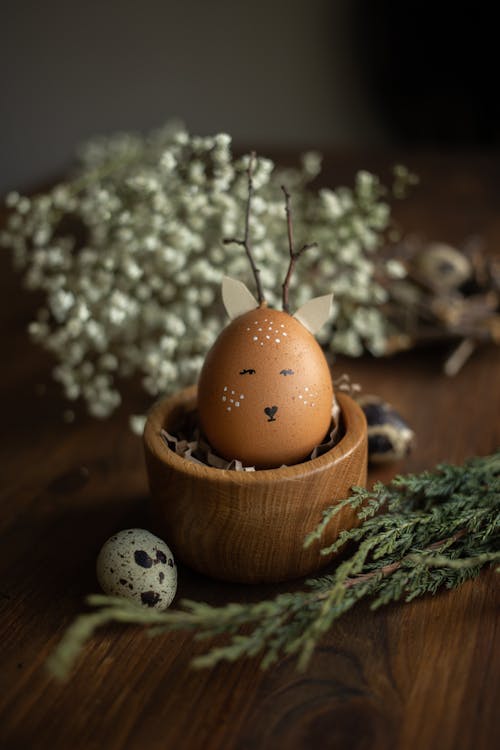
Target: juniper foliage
pixel 417 534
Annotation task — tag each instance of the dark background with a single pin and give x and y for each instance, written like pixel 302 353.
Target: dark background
pixel 359 80
pixel 283 73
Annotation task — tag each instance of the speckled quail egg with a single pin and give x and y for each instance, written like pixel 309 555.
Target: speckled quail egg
pixel 139 566
pixel 443 267
pixel 389 437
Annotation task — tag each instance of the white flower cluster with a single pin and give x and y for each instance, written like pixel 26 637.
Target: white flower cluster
pixel 130 257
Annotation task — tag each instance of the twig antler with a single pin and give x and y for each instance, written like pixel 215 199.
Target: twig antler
pixel 294 255
pixel 246 242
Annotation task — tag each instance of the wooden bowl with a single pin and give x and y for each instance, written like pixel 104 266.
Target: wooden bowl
pixel 250 526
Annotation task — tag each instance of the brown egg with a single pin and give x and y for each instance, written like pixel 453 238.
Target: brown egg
pixel 265 391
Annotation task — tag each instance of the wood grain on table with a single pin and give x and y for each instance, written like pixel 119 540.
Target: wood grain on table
pixel 419 675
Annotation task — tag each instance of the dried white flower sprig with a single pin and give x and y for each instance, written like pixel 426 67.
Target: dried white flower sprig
pixel 130 257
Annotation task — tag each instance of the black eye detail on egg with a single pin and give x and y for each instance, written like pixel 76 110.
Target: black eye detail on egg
pixel 247 372
pixel 287 372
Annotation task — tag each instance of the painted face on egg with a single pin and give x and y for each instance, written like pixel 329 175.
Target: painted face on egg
pixel 265 391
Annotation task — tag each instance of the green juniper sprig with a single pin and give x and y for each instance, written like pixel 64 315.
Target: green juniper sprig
pixel 419 533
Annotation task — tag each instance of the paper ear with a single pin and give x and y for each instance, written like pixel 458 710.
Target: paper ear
pixel 315 313
pixel 237 298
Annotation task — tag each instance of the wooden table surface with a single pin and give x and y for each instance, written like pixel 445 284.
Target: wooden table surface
pixel 420 675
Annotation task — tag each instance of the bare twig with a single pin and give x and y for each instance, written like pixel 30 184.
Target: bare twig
pixel 294 255
pixel 459 357
pixel 466 313
pixel 246 242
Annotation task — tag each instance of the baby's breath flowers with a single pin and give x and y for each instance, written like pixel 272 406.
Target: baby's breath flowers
pixel 129 254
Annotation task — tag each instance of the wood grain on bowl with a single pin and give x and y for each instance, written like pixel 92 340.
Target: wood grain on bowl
pixel 250 526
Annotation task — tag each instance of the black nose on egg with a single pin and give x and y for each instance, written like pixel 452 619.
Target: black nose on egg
pixel 270 411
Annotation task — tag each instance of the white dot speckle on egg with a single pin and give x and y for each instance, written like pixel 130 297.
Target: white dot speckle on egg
pixel 139 566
